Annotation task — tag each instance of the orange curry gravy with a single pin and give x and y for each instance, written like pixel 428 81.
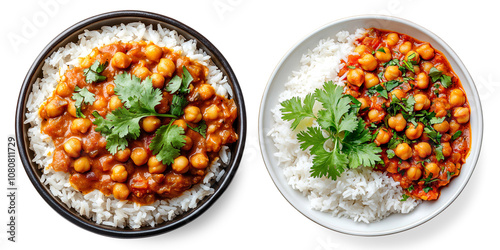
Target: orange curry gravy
pixel 145 180
pixel 422 157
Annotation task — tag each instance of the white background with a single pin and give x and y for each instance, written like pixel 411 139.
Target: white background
pixel 253 36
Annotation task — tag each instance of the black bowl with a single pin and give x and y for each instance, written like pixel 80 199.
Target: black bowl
pixel 71 35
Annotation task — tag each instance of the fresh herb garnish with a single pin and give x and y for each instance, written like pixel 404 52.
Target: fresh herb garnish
pixel 449 175
pixel 427 189
pixel 437 75
pixel 405 197
pixel 437 120
pixel 456 135
pixel 201 128
pixel 93 73
pixel 178 104
pixel 351 146
pixel 180 84
pixel 439 152
pixel 82 96
pixel 167 143
pixel 122 124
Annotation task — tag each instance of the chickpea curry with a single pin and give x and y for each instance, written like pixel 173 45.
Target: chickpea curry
pixel 138 121
pixel 415 108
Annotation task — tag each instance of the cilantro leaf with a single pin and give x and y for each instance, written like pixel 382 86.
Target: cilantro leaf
pixel 439 152
pixel 446 81
pixel 435 74
pixel 178 104
pixel 180 84
pixel 167 143
pixel 136 95
pixel 292 109
pixel 201 129
pixel 92 74
pixel 390 85
pixel 456 135
pixel 82 96
pixel 437 120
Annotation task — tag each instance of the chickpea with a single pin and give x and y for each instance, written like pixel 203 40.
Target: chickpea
pixel 376 115
pixel 412 57
pixel 192 114
pixel 397 122
pixel 371 80
pixel 405 47
pixel 110 89
pixel 383 56
pixel 121 60
pixel 189 143
pixel 422 102
pixel 425 51
pixel 72 147
pixel 361 49
pixel 180 165
pixel 122 155
pixel 413 132
pixel 100 103
pixel 413 173
pixel 141 72
pixel 365 103
pixel 120 191
pixel 139 156
pixel 398 93
pixel 368 62
pixel 165 67
pixel 158 80
pixel 422 81
pixel 63 90
pixel 81 125
pixel 155 166
pixel 454 127
pixel 82 164
pixel 119 173
pixel 392 72
pixel 356 77
pixel 461 114
pixel 423 149
pixel 392 39
pixel 392 167
pixel 206 91
pixel 416 68
pixel 150 124
pixel 427 66
pixel 383 136
pixel 447 150
pixel 72 109
pixel 115 102
pixel 153 52
pixel 55 107
pixel 180 123
pixel 457 97
pixel 211 113
pixel 432 169
pixel 403 151
pixel 199 161
pixel 442 127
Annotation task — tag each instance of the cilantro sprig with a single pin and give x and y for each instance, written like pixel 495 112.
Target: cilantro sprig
pixel 437 75
pixel 123 124
pixel 93 73
pixel 81 96
pixel 338 120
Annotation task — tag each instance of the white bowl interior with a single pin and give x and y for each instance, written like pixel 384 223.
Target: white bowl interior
pixel 396 222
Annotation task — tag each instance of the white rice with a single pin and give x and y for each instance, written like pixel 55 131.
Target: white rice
pixel 362 194
pixel 96 206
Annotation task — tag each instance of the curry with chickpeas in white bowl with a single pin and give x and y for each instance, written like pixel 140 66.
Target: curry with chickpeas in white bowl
pixel 415 106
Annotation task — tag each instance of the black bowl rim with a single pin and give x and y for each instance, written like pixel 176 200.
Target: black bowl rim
pixel 84 222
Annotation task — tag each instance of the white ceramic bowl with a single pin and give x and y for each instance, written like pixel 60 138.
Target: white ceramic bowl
pixel 396 222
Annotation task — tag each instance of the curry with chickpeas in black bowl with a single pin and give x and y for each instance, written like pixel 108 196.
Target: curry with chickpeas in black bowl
pixel 415 107
pixel 131 124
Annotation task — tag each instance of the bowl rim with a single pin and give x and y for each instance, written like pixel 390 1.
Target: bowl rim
pixel 262 134
pixel 85 223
